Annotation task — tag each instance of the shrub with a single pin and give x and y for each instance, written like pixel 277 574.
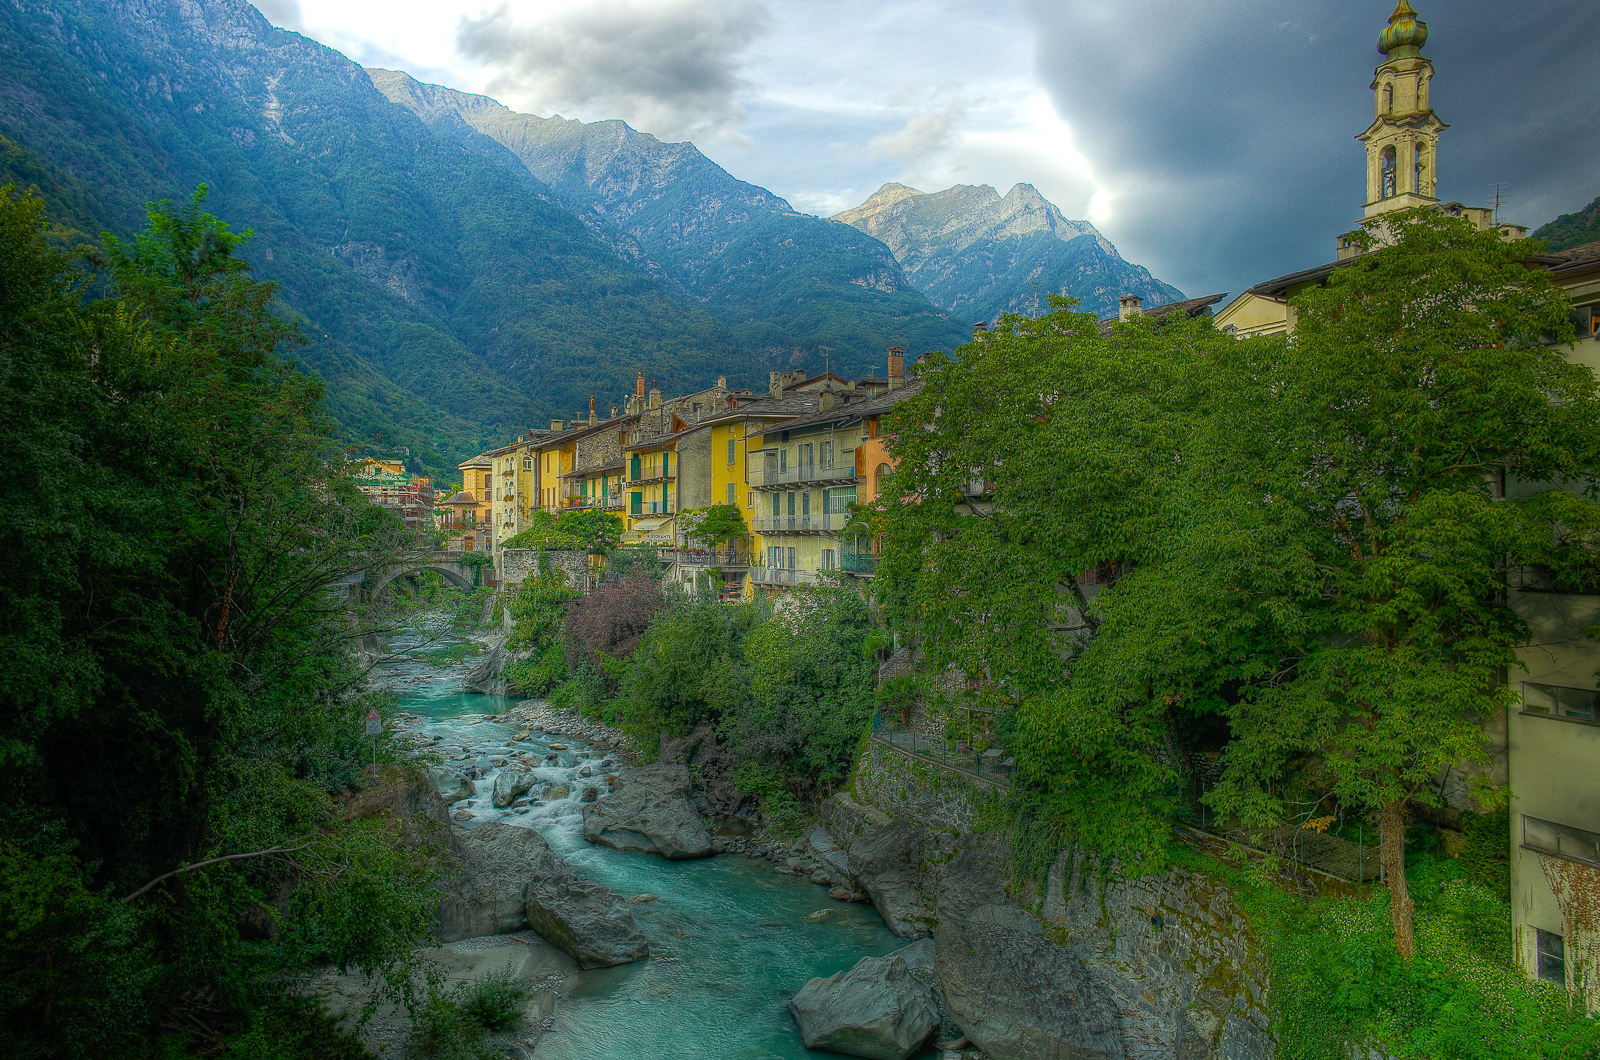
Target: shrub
pixel 494 1002
pixel 609 622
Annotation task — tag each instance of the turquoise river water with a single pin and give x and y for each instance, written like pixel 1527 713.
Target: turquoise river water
pixel 729 944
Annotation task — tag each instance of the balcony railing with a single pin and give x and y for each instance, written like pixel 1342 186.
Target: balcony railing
pixel 710 558
pixel 770 478
pixel 655 508
pixel 612 503
pixel 653 474
pixel 781 576
pixel 815 523
pixel 857 563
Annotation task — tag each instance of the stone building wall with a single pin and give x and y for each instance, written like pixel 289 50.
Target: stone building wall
pixel 693 465
pixel 519 564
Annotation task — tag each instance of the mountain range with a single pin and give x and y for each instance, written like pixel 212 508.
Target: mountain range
pixel 462 270
pixel 977 255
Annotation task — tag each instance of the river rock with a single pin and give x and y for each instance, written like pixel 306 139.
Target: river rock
pixel 586 919
pixel 827 852
pixel 486 676
pixel 887 863
pixel 450 785
pixel 495 862
pixel 1015 993
pixel 509 784
pixel 876 1009
pixel 648 811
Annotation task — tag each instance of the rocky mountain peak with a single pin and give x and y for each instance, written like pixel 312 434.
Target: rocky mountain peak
pixel 881 199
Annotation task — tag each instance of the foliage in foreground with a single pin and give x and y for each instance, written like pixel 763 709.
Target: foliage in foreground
pixel 179 685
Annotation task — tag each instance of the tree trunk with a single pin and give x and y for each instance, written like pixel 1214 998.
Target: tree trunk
pixel 1392 850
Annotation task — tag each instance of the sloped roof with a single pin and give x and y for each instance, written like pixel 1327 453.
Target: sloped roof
pixel 1190 307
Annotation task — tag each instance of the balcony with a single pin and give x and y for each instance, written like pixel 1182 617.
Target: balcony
pixel 781 576
pixel 612 503
pixel 709 558
pixel 858 563
pixel 815 523
pixel 653 474
pixel 807 475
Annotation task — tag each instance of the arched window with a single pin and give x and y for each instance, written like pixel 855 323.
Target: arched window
pixel 1388 173
pixel 1388 99
pixel 878 475
pixel 1419 164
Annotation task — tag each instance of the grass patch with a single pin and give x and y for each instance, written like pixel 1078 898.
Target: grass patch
pixel 1337 981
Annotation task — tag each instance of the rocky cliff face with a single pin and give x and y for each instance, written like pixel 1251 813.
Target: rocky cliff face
pixel 735 249
pixel 977 255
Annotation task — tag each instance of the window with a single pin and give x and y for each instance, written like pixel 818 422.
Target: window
pixel 827 559
pixel 750 499
pixel 1569 842
pixel 731 492
pixel 1552 957
pixel 791 502
pixel 1533 578
pixel 1388 99
pixel 1560 701
pixel 730 455
pixel 638 504
pixel 777 505
pixel 826 457
pixel 805 455
pixel 1388 171
pixel 805 503
pixel 1416 184
pixel 783 459
pixel 791 559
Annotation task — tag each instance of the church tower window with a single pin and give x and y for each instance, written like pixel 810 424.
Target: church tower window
pixel 1388 99
pixel 1388 172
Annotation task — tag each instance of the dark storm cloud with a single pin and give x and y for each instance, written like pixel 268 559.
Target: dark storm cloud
pixel 1226 128
pixel 670 67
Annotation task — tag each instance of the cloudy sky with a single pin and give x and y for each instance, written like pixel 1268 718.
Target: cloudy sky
pixel 1211 141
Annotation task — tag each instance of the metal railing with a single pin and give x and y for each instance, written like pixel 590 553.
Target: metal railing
pixel 858 563
pixel 1292 842
pixel 781 576
pixel 795 476
pixel 816 522
pixel 708 558
pixel 652 474
pixel 992 764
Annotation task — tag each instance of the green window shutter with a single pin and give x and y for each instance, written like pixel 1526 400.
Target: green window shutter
pixel 638 504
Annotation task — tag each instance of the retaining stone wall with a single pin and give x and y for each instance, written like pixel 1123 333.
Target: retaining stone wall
pixel 902 786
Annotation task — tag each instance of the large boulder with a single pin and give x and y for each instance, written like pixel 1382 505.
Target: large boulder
pixel 649 811
pixel 888 864
pixel 495 863
pixel 1016 994
pixel 586 919
pixel 880 1008
pixel 510 783
pixel 450 785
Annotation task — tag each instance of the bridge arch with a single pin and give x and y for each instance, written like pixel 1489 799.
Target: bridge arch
pixel 446 564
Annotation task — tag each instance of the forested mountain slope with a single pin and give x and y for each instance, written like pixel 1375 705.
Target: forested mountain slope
pixel 977 255
pixel 785 283
pixel 449 301
pixel 1572 229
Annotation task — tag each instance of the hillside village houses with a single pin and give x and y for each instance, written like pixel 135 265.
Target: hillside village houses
pixel 1548 750
pixel 794 459
pixel 389 485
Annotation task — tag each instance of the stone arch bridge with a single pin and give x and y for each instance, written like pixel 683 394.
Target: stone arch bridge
pixel 447 564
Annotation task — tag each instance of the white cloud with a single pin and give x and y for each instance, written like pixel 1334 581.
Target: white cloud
pixel 669 67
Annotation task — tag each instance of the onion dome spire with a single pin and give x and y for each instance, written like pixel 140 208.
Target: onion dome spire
pixel 1405 35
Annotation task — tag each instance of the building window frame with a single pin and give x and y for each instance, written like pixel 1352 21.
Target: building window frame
pixel 1561 702
pixel 1550 956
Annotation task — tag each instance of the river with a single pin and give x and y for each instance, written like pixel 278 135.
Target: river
pixel 729 944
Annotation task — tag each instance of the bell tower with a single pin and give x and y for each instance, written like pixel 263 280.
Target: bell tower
pixel 1404 134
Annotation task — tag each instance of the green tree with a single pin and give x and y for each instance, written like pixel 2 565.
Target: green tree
pixel 177 645
pixel 717 525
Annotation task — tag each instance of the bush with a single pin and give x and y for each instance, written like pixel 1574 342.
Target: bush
pixel 609 622
pixel 494 1002
pixel 679 674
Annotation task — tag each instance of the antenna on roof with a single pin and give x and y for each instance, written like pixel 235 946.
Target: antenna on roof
pixel 1036 301
pixel 827 357
pixel 1499 188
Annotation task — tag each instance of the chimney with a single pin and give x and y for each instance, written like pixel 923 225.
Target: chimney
pixel 638 386
pixel 655 393
pixel 980 331
pixel 775 383
pixel 827 400
pixel 594 417
pixel 722 383
pixel 555 425
pixel 613 412
pixel 1129 306
pixel 897 366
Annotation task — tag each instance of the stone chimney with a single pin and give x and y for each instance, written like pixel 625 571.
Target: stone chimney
pixel 555 425
pixel 594 417
pixel 776 382
pixel 897 366
pixel 722 382
pixel 613 412
pixel 827 400
pixel 638 386
pixel 655 393
pixel 980 331
pixel 1130 306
